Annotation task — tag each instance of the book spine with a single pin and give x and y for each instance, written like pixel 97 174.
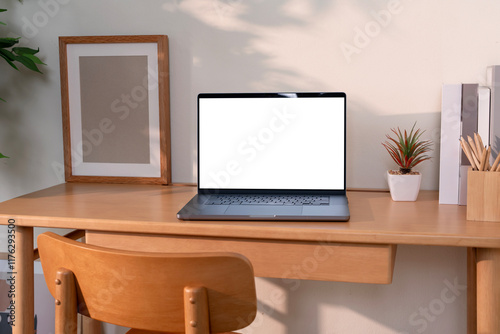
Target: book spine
pixel 451 109
pixel 494 83
pixel 483 114
pixel 469 127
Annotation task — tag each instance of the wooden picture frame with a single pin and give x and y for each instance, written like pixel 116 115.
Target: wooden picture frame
pixel 115 106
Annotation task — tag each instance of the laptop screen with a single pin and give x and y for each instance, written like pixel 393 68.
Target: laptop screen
pixel 271 141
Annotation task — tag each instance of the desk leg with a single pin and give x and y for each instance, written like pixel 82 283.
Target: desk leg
pixel 488 291
pixel 24 296
pixel 471 291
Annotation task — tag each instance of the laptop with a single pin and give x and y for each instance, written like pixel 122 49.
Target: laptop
pixel 270 156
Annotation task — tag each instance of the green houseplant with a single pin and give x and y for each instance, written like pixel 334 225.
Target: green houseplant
pixel 408 150
pixel 14 54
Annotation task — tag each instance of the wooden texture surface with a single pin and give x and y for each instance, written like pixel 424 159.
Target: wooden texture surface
pixel 66 321
pixel 196 310
pixel 471 290
pixel 341 262
pixel 148 290
pixel 488 291
pixel 483 196
pixel 24 274
pixel 152 209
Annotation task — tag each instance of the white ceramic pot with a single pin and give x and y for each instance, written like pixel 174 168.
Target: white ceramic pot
pixel 404 187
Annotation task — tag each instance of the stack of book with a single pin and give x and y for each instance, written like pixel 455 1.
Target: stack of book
pixel 466 109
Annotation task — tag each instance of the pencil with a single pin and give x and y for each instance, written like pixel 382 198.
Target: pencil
pixel 483 161
pixel 495 164
pixel 474 157
pixel 467 152
pixel 480 140
pixel 487 159
pixel 479 143
pixel 473 147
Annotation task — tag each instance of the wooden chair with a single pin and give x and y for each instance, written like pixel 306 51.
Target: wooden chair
pixel 151 293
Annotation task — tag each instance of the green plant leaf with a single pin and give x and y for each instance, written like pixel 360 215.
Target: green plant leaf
pixel 28 63
pixel 3 10
pixel 9 57
pixel 29 53
pixel 35 59
pixel 8 54
pixel 23 55
pixel 3 156
pixel 7 42
pixel 19 50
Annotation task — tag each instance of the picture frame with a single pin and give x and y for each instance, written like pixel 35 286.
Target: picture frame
pixel 116 108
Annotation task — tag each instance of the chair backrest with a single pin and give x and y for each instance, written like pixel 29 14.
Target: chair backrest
pixel 148 290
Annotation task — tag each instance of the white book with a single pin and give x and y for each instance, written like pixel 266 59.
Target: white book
pixel 449 170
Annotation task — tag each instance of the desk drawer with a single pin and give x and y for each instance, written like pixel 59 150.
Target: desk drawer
pixel 344 262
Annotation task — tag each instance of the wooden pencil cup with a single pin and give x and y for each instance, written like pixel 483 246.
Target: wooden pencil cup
pixel 483 195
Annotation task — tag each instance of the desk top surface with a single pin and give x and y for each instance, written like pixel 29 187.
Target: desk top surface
pixel 375 218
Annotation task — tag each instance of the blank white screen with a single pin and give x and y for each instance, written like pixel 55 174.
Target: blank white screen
pixel 271 143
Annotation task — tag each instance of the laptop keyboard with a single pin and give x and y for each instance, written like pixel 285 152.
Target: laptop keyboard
pixel 268 200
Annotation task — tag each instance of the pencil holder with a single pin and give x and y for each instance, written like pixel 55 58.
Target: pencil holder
pixel 483 195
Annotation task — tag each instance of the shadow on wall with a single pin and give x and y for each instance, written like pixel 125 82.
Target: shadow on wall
pixel 237 46
pixel 231 45
pixel 362 144
pixel 406 306
pixel 225 52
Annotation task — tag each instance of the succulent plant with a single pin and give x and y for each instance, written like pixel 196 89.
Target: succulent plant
pixel 407 149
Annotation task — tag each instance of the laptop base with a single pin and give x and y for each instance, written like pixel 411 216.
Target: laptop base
pixel 196 209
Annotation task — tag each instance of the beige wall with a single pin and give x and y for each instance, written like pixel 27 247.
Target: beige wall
pixel 390 57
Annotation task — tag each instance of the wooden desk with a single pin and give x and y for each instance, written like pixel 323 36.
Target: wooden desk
pixel 143 217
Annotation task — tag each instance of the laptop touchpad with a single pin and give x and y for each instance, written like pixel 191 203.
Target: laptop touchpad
pixel 263 210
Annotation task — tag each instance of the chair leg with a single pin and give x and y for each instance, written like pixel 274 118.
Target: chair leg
pixel 90 326
pixel 196 315
pixel 66 303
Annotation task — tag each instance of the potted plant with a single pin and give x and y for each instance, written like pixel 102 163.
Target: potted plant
pixel 23 55
pixel 407 150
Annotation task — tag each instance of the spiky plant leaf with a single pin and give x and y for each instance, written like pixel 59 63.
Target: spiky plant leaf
pixel 407 149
